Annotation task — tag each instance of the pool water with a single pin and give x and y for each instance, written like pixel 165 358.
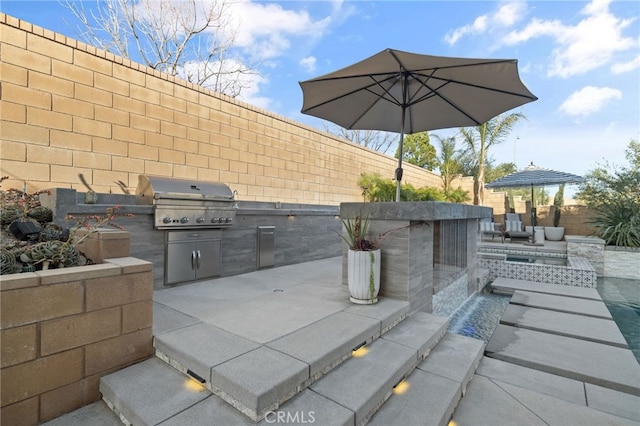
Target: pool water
pixel 622 297
pixel 562 261
pixel 479 315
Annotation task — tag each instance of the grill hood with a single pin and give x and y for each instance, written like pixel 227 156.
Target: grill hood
pixel 187 204
pixel 151 189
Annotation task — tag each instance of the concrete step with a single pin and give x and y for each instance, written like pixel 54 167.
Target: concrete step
pixel 432 391
pixel 96 414
pixel 154 393
pixel 583 327
pixel 509 285
pixel 561 388
pixel 514 405
pixel 568 357
pixel 150 392
pixel 566 304
pixel 364 382
pixel 256 378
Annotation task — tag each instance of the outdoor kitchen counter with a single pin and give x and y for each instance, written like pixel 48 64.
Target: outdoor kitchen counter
pixel 275 209
pixel 295 225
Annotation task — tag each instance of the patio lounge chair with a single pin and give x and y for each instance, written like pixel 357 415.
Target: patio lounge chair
pixel 491 228
pixel 514 229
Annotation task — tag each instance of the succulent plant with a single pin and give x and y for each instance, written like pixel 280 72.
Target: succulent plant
pixel 51 253
pixel 53 232
pixel 9 213
pixel 8 264
pixel 41 213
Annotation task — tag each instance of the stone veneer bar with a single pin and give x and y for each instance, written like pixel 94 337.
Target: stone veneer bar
pixel 407 269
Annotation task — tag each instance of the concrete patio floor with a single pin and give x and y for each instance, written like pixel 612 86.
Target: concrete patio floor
pixel 270 304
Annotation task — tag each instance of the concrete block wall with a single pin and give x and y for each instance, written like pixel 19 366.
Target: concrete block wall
pixel 63 329
pixel 575 218
pixel 69 108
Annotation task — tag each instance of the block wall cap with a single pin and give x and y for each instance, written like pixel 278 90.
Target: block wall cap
pixel 77 273
pixel 21 280
pixel 130 265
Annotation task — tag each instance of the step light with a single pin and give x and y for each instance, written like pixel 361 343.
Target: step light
pixel 196 377
pixel 360 350
pixel 401 387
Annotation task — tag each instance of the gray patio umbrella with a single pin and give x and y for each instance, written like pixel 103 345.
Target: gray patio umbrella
pixel 405 92
pixel 532 176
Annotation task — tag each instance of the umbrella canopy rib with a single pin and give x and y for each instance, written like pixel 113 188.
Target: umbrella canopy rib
pixel 404 92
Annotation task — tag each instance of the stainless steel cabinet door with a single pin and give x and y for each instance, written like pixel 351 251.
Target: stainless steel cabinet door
pixel 180 262
pixel 208 259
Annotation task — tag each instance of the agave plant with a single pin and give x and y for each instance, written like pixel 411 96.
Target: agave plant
pixel 618 223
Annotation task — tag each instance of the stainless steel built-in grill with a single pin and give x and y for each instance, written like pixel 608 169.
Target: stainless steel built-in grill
pixel 185 204
pixel 193 214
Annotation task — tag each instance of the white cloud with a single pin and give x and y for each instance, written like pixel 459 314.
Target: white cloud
pixel 509 14
pixel 588 100
pixel 505 16
pixel 622 67
pixel 265 29
pixel 308 64
pixel 479 26
pixel 589 44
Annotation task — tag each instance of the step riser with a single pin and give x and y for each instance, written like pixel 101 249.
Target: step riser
pixel 436 386
pixel 415 353
pixel 395 356
pixel 255 415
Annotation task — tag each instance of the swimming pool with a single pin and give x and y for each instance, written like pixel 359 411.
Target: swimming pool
pixel 622 297
pixel 479 315
pixel 542 260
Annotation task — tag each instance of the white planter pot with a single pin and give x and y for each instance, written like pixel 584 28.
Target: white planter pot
pixel 554 233
pixel 363 273
pixel 539 234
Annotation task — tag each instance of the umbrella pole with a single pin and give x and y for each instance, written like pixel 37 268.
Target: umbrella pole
pixel 533 216
pixel 399 169
pixel 401 147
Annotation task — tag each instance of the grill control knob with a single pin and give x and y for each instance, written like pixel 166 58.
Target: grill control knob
pixel 184 220
pixel 228 220
pixel 200 220
pixel 166 219
pixel 215 220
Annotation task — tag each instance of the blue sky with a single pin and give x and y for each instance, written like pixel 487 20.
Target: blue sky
pixel 581 59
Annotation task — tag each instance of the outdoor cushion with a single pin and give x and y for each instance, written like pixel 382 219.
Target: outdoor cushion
pixel 487 226
pixel 513 225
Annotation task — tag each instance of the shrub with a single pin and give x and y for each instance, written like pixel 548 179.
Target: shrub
pixel 613 193
pixel 618 223
pixel 375 188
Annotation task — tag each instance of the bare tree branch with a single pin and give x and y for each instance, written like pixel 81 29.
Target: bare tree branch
pixel 191 39
pixel 376 140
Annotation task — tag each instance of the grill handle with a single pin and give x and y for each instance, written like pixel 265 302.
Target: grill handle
pixel 198 257
pixel 193 260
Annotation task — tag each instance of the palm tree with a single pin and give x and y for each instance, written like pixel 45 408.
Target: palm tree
pixel 448 163
pixel 479 139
